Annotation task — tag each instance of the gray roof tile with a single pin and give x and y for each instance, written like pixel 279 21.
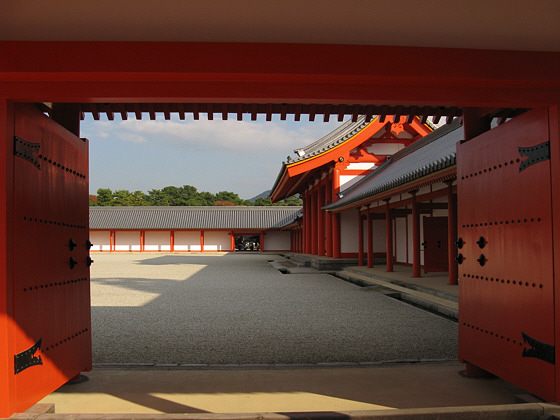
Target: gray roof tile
pixel 268 217
pixel 432 153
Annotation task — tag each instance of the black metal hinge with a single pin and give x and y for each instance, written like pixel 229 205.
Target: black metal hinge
pixel 538 349
pixel 27 151
pixel 27 358
pixel 535 154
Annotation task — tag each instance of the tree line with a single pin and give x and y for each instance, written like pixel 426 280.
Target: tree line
pixel 187 195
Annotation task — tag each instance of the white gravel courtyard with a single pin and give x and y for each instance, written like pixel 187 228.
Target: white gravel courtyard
pixel 219 309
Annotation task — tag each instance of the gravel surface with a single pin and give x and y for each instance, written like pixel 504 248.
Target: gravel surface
pixel 237 309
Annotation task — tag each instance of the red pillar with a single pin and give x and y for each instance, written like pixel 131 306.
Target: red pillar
pixel 262 242
pixel 201 240
pixel 415 237
pixel 314 222
pixel 336 216
pixel 172 241
pixel 451 233
pixel 321 221
pixel 369 241
pixel 232 241
pixel 360 239
pixel 389 235
pixel 336 235
pixel 7 325
pixel 307 224
pixel 112 240
pixel 142 240
pixel 329 222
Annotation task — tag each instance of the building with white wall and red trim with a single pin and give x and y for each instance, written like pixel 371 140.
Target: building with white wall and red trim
pixel 378 189
pixel 191 229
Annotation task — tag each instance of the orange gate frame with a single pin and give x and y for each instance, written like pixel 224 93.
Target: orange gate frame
pixel 73 72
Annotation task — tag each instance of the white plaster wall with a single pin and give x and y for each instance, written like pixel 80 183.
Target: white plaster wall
pixel 379 236
pixel 440 213
pixel 346 181
pixel 361 165
pixel 277 241
pixel 127 240
pixel 349 231
pixel 157 241
pixel 217 241
pixel 400 239
pixel 101 240
pixel 187 240
pixel 385 148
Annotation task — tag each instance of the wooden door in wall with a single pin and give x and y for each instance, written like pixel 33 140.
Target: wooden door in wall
pixel 51 291
pixel 435 244
pixel 506 288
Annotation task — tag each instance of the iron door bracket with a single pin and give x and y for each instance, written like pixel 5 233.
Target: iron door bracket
pixel 27 358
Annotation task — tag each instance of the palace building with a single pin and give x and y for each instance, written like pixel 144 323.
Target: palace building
pixel 191 229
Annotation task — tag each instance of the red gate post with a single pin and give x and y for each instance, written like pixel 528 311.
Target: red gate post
pixel 554 129
pixel 369 225
pixel 7 388
pixel 172 241
pixel 451 233
pixel 360 239
pixel 336 217
pixel 389 234
pixel 415 236
pixel 261 247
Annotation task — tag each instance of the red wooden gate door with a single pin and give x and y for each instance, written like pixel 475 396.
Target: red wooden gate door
pixel 506 317
pixel 52 337
pixel 435 244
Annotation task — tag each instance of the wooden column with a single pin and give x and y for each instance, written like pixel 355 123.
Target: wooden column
pixel 7 323
pixel 68 116
pixel 336 216
pixel 262 242
pixel 307 224
pixel 172 241
pixel 360 239
pixel 314 221
pixel 452 233
pixel 369 241
pixel 475 123
pixel 142 240
pixel 232 241
pixel 415 237
pixel 336 235
pixel 321 221
pixel 389 236
pixel 329 222
pixel 201 240
pixel 112 237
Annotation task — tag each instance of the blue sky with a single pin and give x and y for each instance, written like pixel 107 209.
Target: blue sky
pixel 240 156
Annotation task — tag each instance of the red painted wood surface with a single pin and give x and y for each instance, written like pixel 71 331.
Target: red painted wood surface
pixel 435 244
pixel 506 284
pixel 281 73
pixel 51 299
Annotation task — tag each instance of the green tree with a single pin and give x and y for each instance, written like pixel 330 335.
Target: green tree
pixel 104 197
pixel 263 201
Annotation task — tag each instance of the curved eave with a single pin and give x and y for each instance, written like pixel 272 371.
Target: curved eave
pixel 439 176
pixel 291 176
pixel 333 153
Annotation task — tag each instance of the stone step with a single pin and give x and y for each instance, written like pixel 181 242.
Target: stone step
pixel 428 301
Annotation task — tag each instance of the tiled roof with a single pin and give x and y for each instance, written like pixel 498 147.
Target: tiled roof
pixel 430 154
pixel 333 139
pixel 266 217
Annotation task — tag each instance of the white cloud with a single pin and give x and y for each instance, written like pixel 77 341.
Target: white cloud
pixel 229 136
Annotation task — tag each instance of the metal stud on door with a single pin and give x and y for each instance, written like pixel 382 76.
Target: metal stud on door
pixel 51 271
pixel 506 318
